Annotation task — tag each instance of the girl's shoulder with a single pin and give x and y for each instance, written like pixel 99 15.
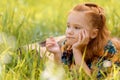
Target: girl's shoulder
pixel 116 42
pixel 111 57
pixel 112 50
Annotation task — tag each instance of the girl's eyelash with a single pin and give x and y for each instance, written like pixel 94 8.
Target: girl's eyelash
pixel 77 27
pixel 68 26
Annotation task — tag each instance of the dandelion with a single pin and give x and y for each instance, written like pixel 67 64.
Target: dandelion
pixel 9 41
pixel 52 72
pixel 6 58
pixel 107 63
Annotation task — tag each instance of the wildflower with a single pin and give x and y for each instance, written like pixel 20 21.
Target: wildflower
pixel 52 72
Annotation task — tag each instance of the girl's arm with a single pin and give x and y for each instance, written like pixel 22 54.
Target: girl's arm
pixel 83 40
pixel 53 47
pixel 78 61
pixel 57 57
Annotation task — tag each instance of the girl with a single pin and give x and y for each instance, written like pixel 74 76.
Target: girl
pixel 86 30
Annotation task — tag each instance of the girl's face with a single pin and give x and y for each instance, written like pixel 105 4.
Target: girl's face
pixel 77 21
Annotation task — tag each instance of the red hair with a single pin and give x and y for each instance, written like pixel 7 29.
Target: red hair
pixel 98 20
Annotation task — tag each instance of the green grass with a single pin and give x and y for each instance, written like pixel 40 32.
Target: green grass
pixel 26 21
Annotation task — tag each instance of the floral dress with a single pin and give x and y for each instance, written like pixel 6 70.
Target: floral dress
pixel 102 66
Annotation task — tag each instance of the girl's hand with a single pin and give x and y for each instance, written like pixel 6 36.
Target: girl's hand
pixel 83 40
pixel 80 44
pixel 52 46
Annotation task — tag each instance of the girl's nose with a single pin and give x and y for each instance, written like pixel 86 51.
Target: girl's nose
pixel 70 31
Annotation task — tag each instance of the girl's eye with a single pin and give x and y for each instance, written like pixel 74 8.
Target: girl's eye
pixel 68 26
pixel 77 27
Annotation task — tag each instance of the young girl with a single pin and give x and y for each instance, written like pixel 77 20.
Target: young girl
pixel 86 33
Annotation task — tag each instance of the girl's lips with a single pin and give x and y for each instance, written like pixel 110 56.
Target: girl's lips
pixel 70 37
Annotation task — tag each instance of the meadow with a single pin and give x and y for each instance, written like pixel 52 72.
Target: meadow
pixel 25 22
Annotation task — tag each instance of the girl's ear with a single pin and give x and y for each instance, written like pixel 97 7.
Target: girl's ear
pixel 94 33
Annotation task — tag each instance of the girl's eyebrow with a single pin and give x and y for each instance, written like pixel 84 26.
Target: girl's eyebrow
pixel 75 25
pixel 78 25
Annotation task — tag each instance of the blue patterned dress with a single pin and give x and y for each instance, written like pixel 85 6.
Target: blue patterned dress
pixel 102 65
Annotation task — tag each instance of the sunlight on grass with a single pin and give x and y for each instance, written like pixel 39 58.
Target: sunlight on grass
pixel 52 72
pixel 25 22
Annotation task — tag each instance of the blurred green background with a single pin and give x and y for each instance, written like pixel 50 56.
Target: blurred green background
pixel 28 21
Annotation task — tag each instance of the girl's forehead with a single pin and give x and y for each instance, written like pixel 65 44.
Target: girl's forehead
pixel 78 18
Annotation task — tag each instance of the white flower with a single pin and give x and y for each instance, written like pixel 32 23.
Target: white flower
pixel 52 72
pixel 6 58
pixel 107 63
pixel 11 42
pixel 8 41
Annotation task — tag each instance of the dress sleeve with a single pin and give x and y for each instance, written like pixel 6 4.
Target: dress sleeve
pixel 102 66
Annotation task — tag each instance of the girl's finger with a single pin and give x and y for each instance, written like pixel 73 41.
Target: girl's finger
pixel 86 34
pixel 49 45
pixel 50 42
pixel 83 35
pixel 52 38
pixel 79 38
